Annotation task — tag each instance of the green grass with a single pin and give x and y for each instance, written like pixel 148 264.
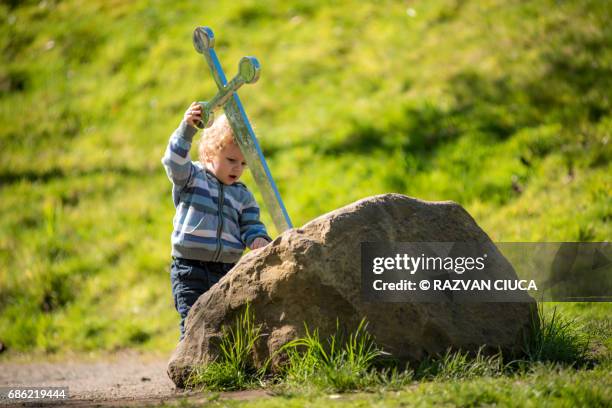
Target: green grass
pixel 353 361
pixel 312 368
pixel 557 339
pixel 341 363
pixel 502 106
pixel 459 365
pixel 338 364
pixel 521 135
pixel 234 369
pixel 546 385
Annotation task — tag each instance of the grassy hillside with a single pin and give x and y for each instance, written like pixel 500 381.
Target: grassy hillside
pixel 502 106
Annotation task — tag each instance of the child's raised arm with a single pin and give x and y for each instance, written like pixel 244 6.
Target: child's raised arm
pixel 176 159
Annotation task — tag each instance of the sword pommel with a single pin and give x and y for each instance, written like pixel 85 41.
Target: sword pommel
pixel 203 39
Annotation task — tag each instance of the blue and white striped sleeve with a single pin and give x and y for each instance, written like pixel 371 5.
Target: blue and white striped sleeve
pixel 176 159
pixel 250 225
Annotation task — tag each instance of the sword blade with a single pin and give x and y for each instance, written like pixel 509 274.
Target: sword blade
pixel 257 163
pixel 249 145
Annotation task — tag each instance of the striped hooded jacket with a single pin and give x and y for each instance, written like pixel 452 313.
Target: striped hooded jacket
pixel 213 221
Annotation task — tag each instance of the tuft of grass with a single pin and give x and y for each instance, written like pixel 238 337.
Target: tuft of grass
pixel 220 376
pixel 234 368
pixel 460 365
pixel 556 339
pixel 339 364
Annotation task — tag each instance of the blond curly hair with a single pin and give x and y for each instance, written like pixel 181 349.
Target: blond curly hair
pixel 215 138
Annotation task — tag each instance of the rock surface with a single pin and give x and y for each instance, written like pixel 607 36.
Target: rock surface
pixel 313 275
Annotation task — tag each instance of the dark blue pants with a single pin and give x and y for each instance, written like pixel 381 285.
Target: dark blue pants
pixel 190 279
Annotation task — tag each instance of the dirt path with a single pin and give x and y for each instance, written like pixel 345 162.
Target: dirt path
pixel 125 379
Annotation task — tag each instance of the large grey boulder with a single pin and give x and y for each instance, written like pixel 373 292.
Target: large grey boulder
pixel 312 275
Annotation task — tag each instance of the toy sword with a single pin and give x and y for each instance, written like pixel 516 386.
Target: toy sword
pixel 248 73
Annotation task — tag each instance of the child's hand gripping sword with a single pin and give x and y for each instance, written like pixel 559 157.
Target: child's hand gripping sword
pixel 248 72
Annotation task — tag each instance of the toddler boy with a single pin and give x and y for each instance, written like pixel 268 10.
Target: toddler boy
pixel 216 215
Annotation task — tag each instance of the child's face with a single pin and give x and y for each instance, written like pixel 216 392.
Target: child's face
pixel 228 164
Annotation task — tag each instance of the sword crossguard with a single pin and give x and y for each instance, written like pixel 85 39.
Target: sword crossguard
pixel 248 70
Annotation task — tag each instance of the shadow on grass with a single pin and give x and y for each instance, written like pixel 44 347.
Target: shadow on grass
pixel 568 88
pixel 9 176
